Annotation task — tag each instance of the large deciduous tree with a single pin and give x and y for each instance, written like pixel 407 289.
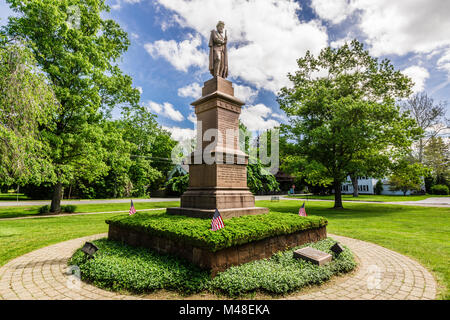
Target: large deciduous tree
pixel 428 115
pixel 79 51
pixel 437 158
pixel 342 113
pixel 26 104
pixel 407 176
pixel 152 147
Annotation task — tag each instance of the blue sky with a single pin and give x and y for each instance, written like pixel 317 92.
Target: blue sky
pixel 169 45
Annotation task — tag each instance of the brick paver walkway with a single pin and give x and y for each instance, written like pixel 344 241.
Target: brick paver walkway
pixel 381 274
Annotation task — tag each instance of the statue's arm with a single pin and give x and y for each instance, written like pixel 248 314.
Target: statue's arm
pixel 217 40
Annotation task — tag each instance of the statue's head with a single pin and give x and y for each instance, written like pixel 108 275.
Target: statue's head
pixel 220 25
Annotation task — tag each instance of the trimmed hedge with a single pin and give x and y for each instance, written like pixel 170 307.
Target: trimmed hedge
pixel 68 208
pixel 119 267
pixel 64 209
pixel 440 189
pixel 237 231
pixel 44 209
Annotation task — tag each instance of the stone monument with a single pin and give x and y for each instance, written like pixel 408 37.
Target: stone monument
pixel 220 181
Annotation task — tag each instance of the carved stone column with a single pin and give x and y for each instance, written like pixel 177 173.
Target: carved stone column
pixel 219 182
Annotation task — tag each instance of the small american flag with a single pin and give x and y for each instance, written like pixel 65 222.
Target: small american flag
pixel 132 209
pixel 302 211
pixel 217 222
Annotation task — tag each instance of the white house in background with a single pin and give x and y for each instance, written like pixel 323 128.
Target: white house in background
pixel 366 185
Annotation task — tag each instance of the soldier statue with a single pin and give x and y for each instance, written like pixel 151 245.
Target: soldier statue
pixel 218 59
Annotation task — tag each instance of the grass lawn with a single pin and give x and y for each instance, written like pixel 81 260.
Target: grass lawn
pixel 370 197
pixel 18 237
pixel 24 211
pixel 422 233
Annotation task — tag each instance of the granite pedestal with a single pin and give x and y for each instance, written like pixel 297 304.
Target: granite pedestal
pixel 220 180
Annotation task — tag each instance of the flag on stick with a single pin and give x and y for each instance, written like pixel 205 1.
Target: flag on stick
pixel 217 222
pixel 302 211
pixel 132 209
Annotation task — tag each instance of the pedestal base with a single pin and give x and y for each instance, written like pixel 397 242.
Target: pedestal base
pixel 220 198
pixel 225 213
pixel 218 171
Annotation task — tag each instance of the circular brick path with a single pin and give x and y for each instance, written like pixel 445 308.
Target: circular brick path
pixel 381 274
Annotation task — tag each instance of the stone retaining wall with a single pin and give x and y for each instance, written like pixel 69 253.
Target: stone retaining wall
pixel 222 259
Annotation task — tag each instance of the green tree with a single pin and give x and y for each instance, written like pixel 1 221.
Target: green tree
pixel 441 189
pixel 151 153
pixel 428 115
pixel 177 185
pixel 342 111
pixel 138 157
pixel 26 104
pixel 437 158
pixel 378 187
pixel 407 176
pixel 80 61
pixel 259 180
pixel 371 163
pixel 116 181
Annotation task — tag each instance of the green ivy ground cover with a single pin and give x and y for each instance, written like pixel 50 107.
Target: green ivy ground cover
pixel 237 231
pixel 120 267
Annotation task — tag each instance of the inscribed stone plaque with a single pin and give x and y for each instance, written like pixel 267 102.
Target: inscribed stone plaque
pixel 232 175
pixel 315 256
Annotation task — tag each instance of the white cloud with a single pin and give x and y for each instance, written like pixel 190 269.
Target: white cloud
pixel 283 118
pixel 118 4
pixel 192 118
pixel 266 37
pixel 419 75
pixel 166 109
pixel 340 42
pixel 256 118
pixel 444 62
pixel 402 26
pixel 173 114
pixel 245 93
pixel 155 107
pixel 181 55
pixel 140 89
pixel 396 27
pixel 181 134
pixel 192 90
pixel 335 11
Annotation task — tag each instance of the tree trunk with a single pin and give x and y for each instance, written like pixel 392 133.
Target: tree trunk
pixel 337 195
pixel 55 207
pixel 355 185
pixel 420 150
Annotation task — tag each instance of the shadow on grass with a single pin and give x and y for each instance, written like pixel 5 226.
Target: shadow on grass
pixel 18 213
